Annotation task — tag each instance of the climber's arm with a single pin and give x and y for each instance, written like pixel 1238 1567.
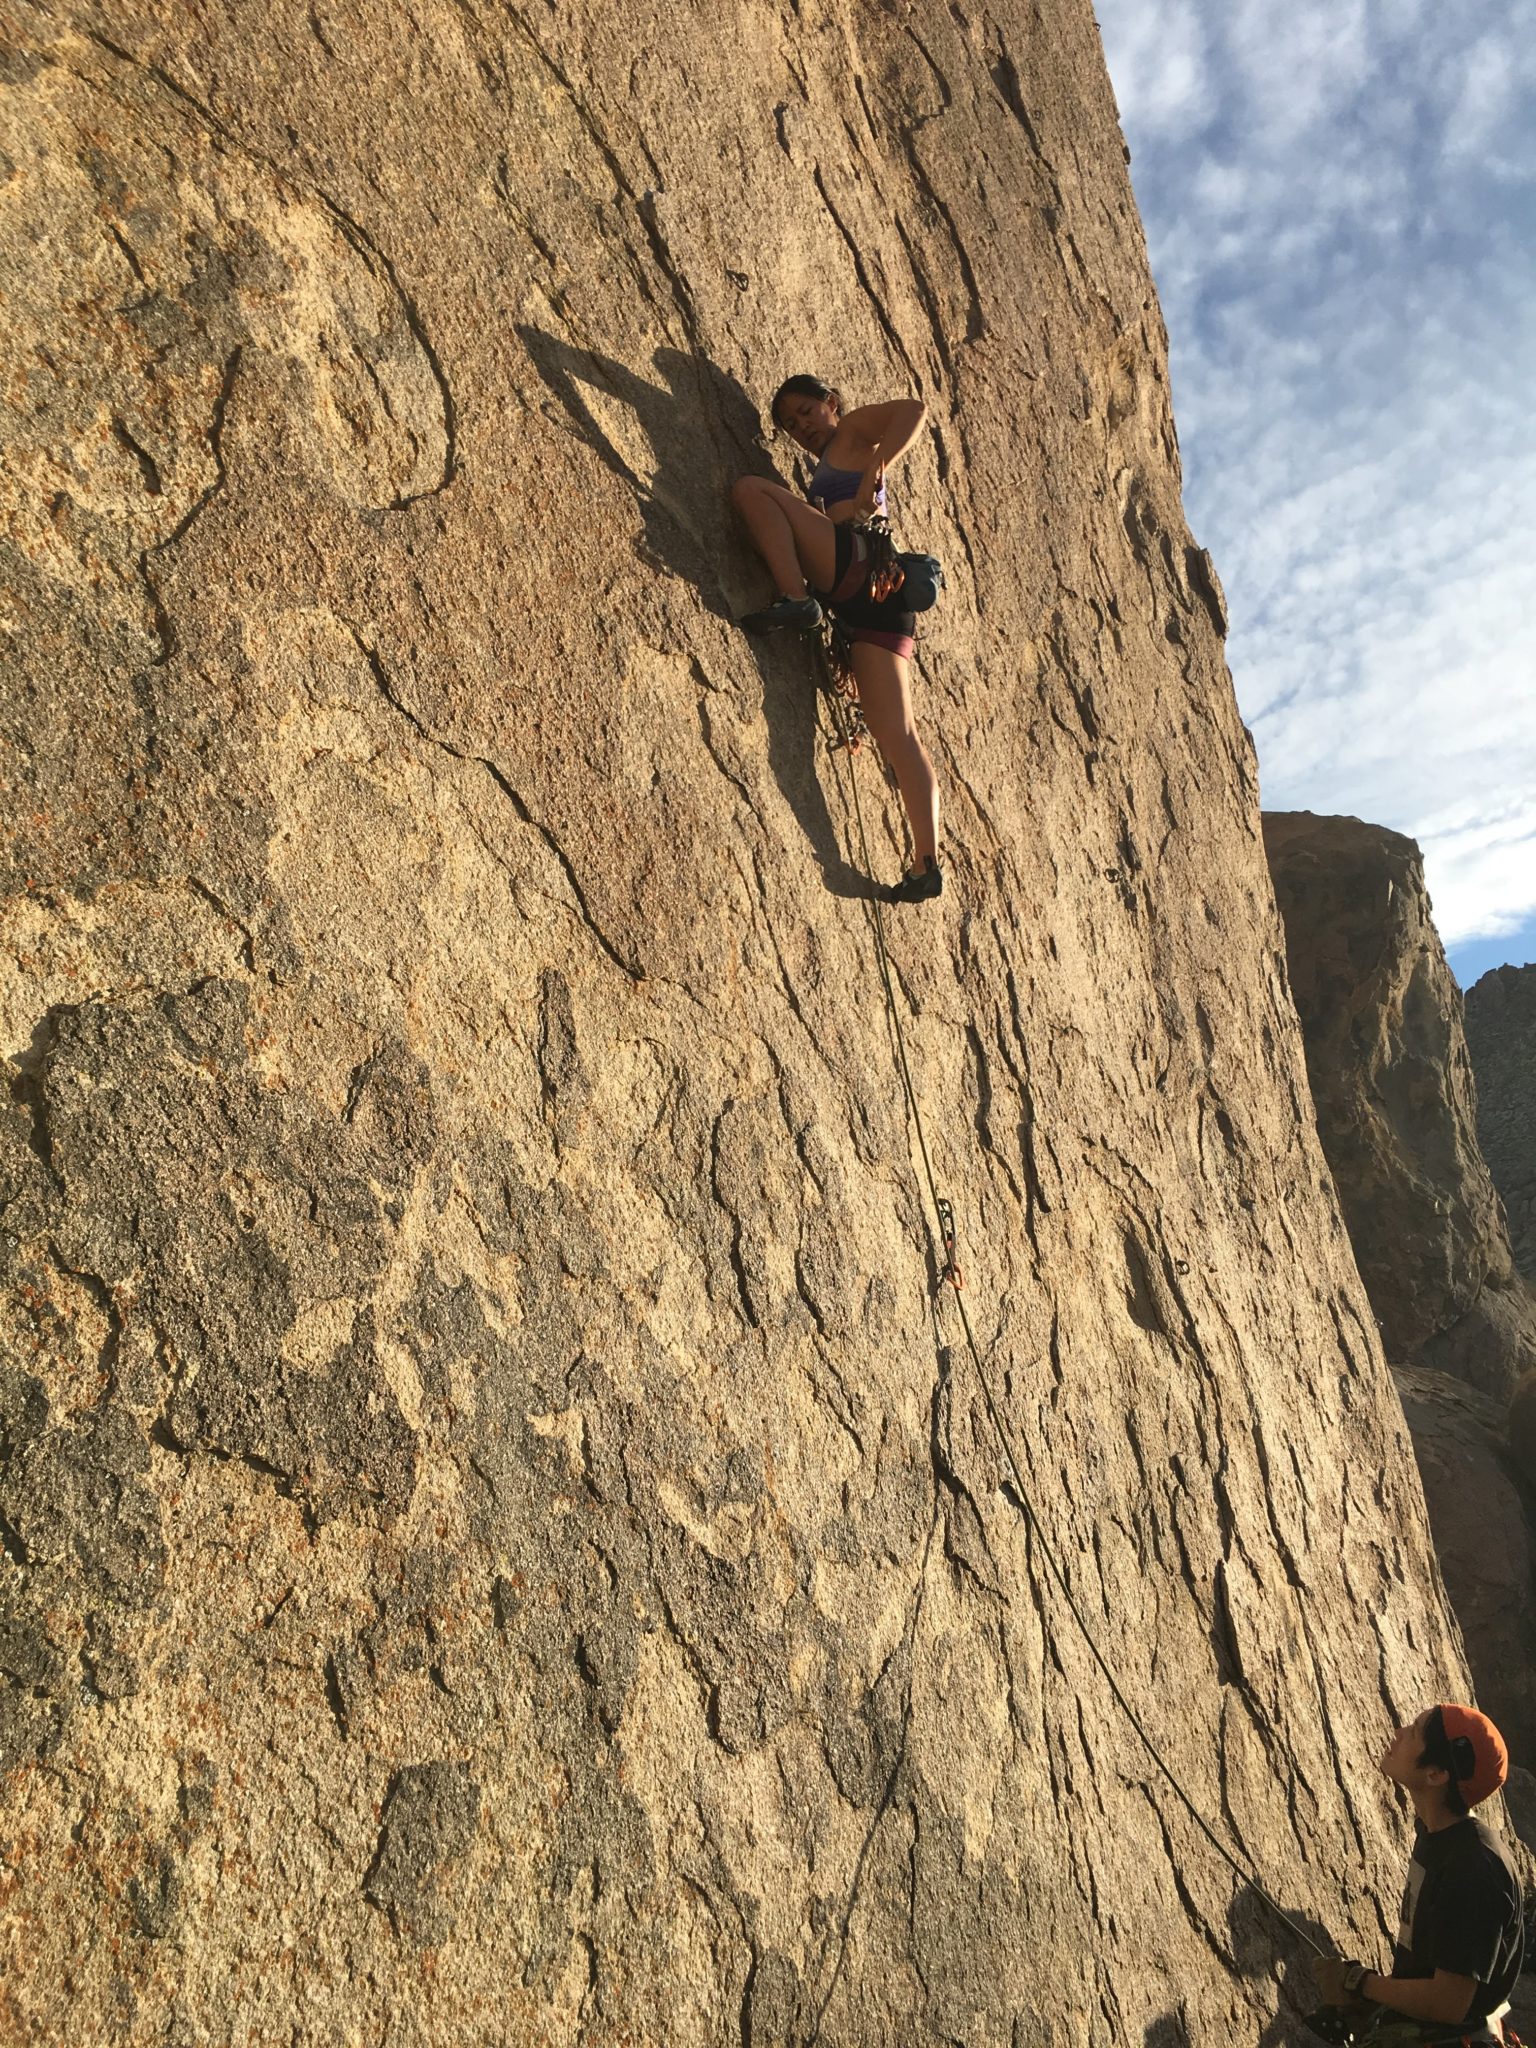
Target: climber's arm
pixel 886 431
pixel 1445 1996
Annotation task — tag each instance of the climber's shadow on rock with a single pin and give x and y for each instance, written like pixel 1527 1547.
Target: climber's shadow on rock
pixel 679 444
pixel 1167 2032
pixel 1259 1942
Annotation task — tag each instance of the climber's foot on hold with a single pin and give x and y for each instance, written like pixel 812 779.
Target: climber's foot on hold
pixel 798 614
pixel 917 887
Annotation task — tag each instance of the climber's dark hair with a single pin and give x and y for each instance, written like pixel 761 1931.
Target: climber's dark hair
pixel 1453 1757
pixel 802 387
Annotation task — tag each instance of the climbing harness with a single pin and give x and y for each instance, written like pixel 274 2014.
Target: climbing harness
pixel 950 1275
pixel 1354 2026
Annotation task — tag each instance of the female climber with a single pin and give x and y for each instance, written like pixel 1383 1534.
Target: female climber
pixel 815 552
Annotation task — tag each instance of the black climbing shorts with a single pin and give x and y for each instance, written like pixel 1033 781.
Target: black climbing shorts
pixel 887 624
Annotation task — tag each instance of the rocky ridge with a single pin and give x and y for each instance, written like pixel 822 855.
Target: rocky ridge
pixel 496 1545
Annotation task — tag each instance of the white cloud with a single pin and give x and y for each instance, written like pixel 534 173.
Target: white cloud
pixel 1164 84
pixel 1487 95
pixel 1462 859
pixel 1340 242
pixel 1295 64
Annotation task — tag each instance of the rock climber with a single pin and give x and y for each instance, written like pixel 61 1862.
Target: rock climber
pixel 1458 1949
pixel 817 555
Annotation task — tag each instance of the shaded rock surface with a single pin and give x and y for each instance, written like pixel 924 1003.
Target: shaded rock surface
pixel 1501 1037
pixel 1396 1102
pixel 492 1549
pixel 1483 1540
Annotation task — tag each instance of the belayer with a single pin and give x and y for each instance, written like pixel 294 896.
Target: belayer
pixel 1458 1949
pixel 825 553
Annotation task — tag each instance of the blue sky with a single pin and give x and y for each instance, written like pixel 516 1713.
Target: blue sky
pixel 1340 202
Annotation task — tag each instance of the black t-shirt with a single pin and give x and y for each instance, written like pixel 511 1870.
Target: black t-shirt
pixel 1461 1912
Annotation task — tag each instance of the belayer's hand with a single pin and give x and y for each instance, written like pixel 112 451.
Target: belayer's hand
pixel 1329 1972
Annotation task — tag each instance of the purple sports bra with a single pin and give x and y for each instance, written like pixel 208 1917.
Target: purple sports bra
pixel 832 486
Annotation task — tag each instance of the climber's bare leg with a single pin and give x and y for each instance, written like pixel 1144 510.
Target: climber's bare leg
pixel 885 697
pixel 798 543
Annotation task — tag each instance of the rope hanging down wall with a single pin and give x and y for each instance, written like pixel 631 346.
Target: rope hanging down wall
pixel 944 1229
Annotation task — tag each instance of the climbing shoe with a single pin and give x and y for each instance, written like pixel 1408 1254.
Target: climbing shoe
pixel 800 614
pixel 925 882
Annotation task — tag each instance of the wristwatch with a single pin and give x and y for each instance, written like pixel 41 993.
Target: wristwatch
pixel 1355 1975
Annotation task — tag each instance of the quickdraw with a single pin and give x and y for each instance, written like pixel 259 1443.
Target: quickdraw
pixel 951 1271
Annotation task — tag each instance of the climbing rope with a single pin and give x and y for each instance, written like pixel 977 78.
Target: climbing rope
pixel 843 684
pixel 949 1272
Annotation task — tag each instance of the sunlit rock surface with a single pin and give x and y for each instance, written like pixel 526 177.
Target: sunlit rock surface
pixel 498 1544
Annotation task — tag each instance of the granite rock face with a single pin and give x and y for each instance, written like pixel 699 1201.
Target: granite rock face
pixel 1501 1037
pixel 1396 1102
pixel 499 1542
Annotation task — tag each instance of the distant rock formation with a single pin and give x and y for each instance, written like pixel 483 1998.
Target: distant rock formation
pixel 1501 1037
pixel 500 1542
pixel 1395 1098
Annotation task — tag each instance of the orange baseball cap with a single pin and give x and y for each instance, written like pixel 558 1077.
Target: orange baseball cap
pixel 1479 1759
